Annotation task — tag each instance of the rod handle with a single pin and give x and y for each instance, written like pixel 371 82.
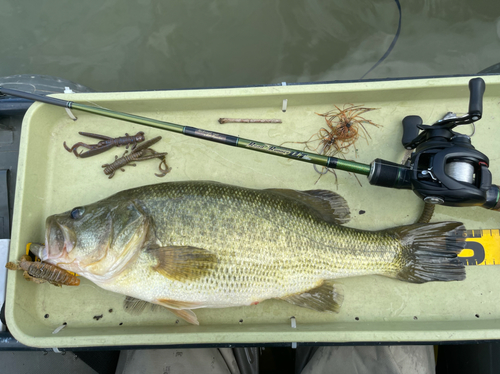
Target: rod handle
pixel 389 174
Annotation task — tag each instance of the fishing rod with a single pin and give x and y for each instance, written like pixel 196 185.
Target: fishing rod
pixel 313 158
pixel 444 168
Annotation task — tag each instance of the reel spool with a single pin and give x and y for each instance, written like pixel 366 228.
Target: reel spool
pixel 461 171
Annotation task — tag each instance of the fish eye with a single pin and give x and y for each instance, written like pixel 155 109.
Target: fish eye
pixel 77 213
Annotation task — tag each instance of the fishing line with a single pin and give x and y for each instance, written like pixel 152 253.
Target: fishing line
pixel 389 50
pixel 324 170
pixel 96 105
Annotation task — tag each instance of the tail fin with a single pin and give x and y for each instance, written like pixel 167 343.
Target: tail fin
pixel 430 252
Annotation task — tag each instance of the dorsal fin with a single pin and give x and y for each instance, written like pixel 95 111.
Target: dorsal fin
pixel 325 205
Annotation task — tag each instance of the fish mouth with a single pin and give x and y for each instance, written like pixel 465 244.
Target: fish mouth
pixel 59 241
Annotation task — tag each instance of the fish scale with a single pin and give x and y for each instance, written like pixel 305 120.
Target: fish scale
pixel 188 245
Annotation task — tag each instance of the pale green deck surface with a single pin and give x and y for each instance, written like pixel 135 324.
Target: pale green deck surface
pixel 51 180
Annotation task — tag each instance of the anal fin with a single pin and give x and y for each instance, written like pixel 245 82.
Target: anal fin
pixel 325 298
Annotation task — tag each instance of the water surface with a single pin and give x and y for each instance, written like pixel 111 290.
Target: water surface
pixel 151 44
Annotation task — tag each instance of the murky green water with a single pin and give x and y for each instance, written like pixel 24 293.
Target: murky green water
pixel 150 44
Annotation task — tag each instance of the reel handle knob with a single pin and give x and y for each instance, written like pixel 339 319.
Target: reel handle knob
pixel 410 130
pixel 476 88
pixel 493 198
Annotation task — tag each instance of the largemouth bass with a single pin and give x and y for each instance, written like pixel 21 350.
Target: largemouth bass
pixel 188 245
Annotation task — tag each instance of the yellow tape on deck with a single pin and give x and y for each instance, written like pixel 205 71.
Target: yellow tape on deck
pixel 28 247
pixel 482 248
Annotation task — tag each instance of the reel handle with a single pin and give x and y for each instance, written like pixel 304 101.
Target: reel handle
pixel 410 130
pixel 476 88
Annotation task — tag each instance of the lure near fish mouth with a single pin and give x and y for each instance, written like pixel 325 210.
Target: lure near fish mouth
pixel 59 241
pixel 196 244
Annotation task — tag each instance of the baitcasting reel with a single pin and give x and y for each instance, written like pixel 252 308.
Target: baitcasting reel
pixel 444 167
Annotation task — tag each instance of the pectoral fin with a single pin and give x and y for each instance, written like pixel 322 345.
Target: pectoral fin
pixel 325 298
pixel 183 263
